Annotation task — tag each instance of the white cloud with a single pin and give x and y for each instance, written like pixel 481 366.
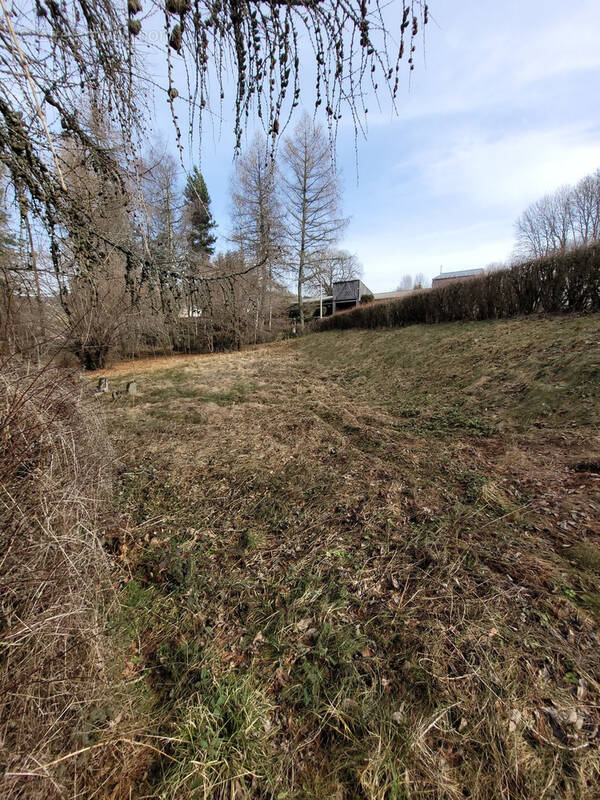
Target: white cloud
pixel 482 56
pixel 511 170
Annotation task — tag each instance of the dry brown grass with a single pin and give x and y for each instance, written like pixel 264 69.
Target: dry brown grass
pixel 57 686
pixel 378 545
pixel 146 365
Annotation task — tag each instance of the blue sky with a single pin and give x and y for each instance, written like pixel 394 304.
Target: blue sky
pixel 503 106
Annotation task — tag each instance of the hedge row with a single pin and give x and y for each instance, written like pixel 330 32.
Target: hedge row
pixel 568 282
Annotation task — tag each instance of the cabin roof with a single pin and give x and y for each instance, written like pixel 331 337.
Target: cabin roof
pixel 459 273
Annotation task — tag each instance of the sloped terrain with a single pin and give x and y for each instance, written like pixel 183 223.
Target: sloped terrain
pixel 365 564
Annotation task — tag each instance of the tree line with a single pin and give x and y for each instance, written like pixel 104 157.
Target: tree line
pixel 175 293
pixel 568 217
pixel 73 120
pixel 567 282
pixel 559 221
pixel 407 282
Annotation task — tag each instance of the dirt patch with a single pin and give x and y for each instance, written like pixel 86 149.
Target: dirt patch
pixel 592 466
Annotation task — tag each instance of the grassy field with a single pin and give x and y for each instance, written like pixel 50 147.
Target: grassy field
pixel 365 565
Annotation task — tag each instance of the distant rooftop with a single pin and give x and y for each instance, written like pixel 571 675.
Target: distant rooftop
pixel 391 295
pixel 460 273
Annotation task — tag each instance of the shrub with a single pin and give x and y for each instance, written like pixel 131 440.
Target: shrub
pixel 566 282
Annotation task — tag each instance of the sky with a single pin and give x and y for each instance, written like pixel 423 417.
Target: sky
pixel 502 107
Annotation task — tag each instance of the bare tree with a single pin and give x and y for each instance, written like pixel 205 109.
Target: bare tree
pixel 406 283
pixel 257 224
pixel 586 209
pixel 163 208
pixel 333 265
pixel 531 239
pixel 420 281
pixel 561 218
pixel 540 226
pixel 568 217
pixel 22 312
pixel 95 285
pixel 312 200
pixel 330 266
pixel 8 284
pixel 160 210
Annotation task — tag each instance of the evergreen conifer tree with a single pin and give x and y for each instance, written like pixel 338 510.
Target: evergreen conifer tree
pixel 199 219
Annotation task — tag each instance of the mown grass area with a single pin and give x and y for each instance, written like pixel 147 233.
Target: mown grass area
pixel 519 374
pixel 366 564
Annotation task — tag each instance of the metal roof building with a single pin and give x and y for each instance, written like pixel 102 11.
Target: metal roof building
pixel 457 275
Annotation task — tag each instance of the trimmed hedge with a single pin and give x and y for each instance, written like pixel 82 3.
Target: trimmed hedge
pixel 566 282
